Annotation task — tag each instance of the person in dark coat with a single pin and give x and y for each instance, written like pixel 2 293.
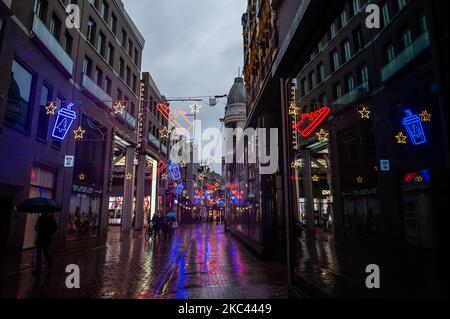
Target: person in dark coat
pixel 46 227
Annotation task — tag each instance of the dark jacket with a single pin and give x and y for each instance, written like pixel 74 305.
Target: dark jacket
pixel 46 226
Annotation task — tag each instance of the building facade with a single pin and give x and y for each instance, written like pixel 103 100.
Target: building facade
pixel 69 102
pixel 365 146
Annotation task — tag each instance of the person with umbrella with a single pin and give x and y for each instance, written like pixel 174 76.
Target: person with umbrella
pixel 46 227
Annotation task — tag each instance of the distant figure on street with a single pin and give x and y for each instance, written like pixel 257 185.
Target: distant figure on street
pixel 156 224
pixel 46 227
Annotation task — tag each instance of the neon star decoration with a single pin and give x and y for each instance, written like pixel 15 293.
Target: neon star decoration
pixel 401 138
pixel 323 135
pixel 360 180
pixel 311 121
pixel 164 176
pixel 425 116
pixel 419 179
pixel 119 108
pixel 183 164
pixel 63 122
pixel 178 119
pixel 316 178
pixel 51 109
pixel 296 164
pixel 129 176
pixel 82 177
pixel 159 169
pixel 164 133
pixel 195 107
pixel 365 113
pixel 413 125
pixel 79 133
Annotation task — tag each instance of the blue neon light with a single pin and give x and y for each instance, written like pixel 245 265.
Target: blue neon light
pixel 63 122
pixel 426 176
pixel 180 189
pixel 174 170
pixel 413 125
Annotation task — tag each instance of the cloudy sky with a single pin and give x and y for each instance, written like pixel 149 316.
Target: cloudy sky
pixel 193 48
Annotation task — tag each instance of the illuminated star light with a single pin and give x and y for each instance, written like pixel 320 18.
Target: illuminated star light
pixel 316 178
pixel 81 177
pixel 129 176
pixel 79 133
pixel 164 176
pixel 164 133
pixel 401 138
pixel 419 179
pixel 425 116
pixel 365 113
pixel 195 107
pixel 51 108
pixel 323 135
pixel 359 180
pixel 183 164
pixel 119 108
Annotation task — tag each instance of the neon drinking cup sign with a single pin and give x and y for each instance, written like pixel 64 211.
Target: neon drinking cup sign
pixel 63 122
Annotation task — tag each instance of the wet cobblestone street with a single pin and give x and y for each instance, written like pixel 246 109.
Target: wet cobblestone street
pixel 200 261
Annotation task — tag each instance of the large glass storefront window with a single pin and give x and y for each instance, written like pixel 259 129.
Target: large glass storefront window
pixel 84 217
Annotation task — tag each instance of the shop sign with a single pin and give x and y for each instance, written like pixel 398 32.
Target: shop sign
pixel 87 190
pixel 385 165
pixel 69 161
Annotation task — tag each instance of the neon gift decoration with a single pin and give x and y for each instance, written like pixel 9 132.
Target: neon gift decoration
pixel 63 122
pixel 174 170
pixel 413 125
pixel 311 121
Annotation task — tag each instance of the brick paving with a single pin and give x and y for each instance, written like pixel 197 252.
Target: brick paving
pixel 200 261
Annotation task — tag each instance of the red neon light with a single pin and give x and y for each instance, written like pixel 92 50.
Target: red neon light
pixel 159 169
pixel 211 187
pixel 33 174
pixel 311 121
pixel 410 177
pixel 176 118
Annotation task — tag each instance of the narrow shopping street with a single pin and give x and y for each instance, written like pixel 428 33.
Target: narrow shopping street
pixel 200 261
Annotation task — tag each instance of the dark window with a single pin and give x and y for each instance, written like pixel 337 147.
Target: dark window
pixel 136 56
pixel 124 39
pixel 41 8
pixel 55 26
pixel 389 53
pixel 46 97
pixel 101 44
pixel 87 66
pixel 90 35
pixel 119 95
pixel 320 73
pixel 18 107
pixel 134 83
pixel 104 11
pixel 130 48
pixel 108 85
pixel 99 77
pixel 68 40
pixel 122 68
pixel 113 23
pixel 128 76
pixel 110 55
pixel 358 39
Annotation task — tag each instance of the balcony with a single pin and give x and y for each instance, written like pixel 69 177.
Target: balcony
pixel 96 91
pixel 52 46
pixel 354 95
pixel 406 56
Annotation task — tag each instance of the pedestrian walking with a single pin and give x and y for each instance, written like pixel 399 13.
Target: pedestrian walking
pixel 46 227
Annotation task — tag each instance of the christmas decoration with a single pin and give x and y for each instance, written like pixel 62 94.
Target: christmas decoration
pixel 311 121
pixel 164 133
pixel 174 170
pixel 359 180
pixel 176 118
pixel 51 109
pixel 82 177
pixel 425 116
pixel 365 113
pixel 195 107
pixel 63 122
pixel 119 108
pixel 401 139
pixel 323 135
pixel 183 164
pixel 413 125
pixel 79 133
pixel 316 178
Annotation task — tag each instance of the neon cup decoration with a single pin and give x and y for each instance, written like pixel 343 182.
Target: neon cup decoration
pixel 413 125
pixel 174 170
pixel 180 188
pixel 63 122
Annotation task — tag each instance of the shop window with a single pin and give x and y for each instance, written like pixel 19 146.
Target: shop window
pixel 84 217
pixel 18 107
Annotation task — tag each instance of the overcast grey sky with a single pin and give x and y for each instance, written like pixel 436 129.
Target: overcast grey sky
pixel 193 48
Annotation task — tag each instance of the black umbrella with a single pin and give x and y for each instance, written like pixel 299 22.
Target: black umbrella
pixel 39 205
